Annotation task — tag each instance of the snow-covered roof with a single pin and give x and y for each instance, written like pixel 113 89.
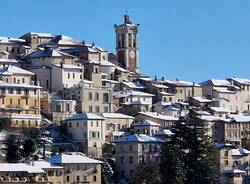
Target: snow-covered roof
pixel 159 86
pixel 241 80
pixel 46 165
pixel 215 82
pixel 209 118
pixel 107 63
pixel 122 94
pixel 116 116
pixel 166 94
pixel 164 132
pixel 48 53
pixel 182 83
pixel 161 103
pixel 11 40
pixel 121 69
pixel 69 66
pixel 6 61
pixel 219 146
pixel 224 90
pixel 45 35
pixel 201 99
pixel 10 70
pixel 62 40
pixel 138 138
pixel 159 116
pixel 240 152
pixel 134 85
pixel 72 157
pixel 171 108
pixel 219 109
pixel 86 116
pixel 145 122
pixel 19 167
pixel 238 171
pixel 240 118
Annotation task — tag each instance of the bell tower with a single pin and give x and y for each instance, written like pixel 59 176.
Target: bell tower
pixel 127 46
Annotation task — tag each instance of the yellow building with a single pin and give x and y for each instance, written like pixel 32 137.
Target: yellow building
pixel 22 173
pixel 19 97
pixel 55 173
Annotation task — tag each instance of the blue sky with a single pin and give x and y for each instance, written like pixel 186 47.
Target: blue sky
pixel 192 40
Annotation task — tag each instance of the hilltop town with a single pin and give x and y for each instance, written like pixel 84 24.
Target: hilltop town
pixel 87 111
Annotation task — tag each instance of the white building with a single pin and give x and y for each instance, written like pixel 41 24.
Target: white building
pixel 87 130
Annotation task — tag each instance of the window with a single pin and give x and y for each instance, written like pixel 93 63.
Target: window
pixel 18 91
pixel 226 153
pixel 27 101
pixel 73 75
pixel 67 107
pixel 14 80
pixel 68 75
pixel 51 173
pixel 92 124
pixel 3 100
pixel 84 178
pixel 97 123
pixel 97 109
pixel 96 96
pixel 70 124
pixel 78 178
pixel 90 109
pixel 225 162
pixel 94 178
pixel 90 96
pixel 11 91
pixel 77 124
pixel 58 108
pixel 130 147
pixel 105 97
pixel 122 160
pixel 106 109
pixel 131 159
pixel 11 101
pixel 23 80
pixel 19 102
pixel 67 178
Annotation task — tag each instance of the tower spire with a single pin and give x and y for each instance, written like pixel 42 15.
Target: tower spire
pixel 126 18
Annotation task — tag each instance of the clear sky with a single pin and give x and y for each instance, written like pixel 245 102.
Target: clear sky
pixel 190 39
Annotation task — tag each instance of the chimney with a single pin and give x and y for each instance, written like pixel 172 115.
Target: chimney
pixel 193 89
pixel 162 78
pixel 155 78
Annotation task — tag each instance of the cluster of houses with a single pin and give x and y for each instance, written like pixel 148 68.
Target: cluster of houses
pixel 111 109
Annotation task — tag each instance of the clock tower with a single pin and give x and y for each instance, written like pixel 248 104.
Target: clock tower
pixel 127 47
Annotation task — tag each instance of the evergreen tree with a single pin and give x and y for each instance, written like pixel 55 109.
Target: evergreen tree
pixel 200 153
pixel 171 166
pixel 107 173
pixel 146 174
pixel 13 154
pixel 190 156
pixel 29 147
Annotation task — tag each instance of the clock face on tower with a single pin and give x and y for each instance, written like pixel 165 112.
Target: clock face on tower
pixel 132 54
